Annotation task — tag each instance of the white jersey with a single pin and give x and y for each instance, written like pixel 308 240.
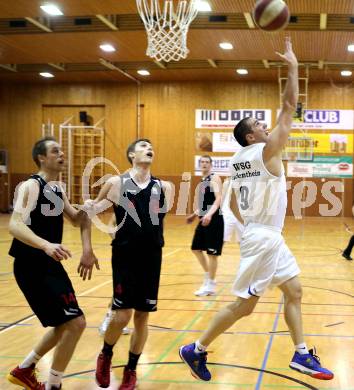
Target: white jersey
pixel 225 207
pixel 261 196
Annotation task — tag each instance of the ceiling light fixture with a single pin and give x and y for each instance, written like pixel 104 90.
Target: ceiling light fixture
pixel 203 6
pixel 107 48
pixel 51 9
pixel 350 47
pixel 144 72
pixel 46 74
pixel 226 45
pixel 346 73
pixel 242 71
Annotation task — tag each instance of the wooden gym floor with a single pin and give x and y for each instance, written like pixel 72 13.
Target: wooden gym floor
pixel 253 354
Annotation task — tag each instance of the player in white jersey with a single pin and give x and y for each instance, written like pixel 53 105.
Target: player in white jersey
pixel 259 183
pixel 233 228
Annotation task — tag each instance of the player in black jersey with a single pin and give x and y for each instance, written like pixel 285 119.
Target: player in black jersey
pixel 140 205
pixel 209 234
pixel 37 227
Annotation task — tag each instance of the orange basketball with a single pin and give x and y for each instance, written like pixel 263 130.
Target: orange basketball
pixel 271 15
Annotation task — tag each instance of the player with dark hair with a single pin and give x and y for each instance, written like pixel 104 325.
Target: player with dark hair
pixel 209 233
pixel 259 184
pixel 37 227
pixel 139 203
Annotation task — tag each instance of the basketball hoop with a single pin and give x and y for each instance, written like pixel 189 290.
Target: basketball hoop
pixel 167 30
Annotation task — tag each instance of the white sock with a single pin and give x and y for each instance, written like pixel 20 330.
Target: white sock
pixel 199 348
pixel 54 379
pixel 302 349
pixel 31 358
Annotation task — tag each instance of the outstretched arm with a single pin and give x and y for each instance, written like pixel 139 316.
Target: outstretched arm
pixel 279 136
pixel 108 195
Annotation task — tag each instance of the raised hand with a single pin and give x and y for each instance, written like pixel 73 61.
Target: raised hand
pixel 289 56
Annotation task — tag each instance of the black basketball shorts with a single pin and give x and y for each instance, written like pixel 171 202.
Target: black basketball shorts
pixel 136 277
pixel 210 238
pixel 48 290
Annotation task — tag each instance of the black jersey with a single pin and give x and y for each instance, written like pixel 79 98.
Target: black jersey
pixel 140 213
pixel 206 195
pixel 45 220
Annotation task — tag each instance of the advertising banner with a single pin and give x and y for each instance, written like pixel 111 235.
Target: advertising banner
pixel 221 165
pixel 329 143
pixel 228 119
pixel 325 120
pixel 322 166
pixel 225 142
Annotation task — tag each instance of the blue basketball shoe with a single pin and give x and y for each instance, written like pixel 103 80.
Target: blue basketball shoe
pixel 195 361
pixel 309 364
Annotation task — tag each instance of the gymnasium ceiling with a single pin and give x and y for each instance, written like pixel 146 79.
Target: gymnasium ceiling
pixel 69 48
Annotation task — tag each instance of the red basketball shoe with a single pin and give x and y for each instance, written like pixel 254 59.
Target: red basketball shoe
pixel 25 377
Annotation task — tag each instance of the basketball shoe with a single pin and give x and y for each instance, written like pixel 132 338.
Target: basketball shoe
pixel 309 364
pixel 129 381
pixel 195 361
pixel 207 288
pixel 103 370
pixel 25 377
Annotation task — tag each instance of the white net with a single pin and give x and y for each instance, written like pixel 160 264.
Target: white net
pixel 167 27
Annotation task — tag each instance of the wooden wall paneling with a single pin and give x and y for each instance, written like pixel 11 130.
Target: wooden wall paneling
pixel 4 192
pixel 331 95
pixel 15 180
pixel 168 115
pixel 120 122
pixel 24 117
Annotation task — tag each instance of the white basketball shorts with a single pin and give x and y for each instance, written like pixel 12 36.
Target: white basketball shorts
pixel 265 261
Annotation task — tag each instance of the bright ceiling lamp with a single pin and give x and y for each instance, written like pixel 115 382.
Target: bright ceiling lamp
pixel 242 71
pixel 46 74
pixel 51 9
pixel 203 6
pixel 107 48
pixel 226 45
pixel 144 72
pixel 346 73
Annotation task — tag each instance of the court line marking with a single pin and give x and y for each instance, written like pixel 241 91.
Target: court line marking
pixel 155 328
pixel 180 336
pixel 16 323
pixel 330 290
pixel 171 253
pixel 154 364
pixel 269 346
pixel 337 323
